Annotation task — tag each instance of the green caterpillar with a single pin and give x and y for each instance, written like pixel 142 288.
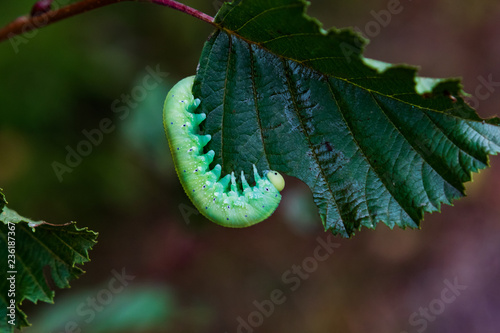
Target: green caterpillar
pixel 208 192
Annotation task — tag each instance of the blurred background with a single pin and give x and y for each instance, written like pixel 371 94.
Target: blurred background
pixel 61 83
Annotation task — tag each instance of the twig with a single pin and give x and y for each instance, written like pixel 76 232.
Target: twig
pixel 28 23
pixel 183 8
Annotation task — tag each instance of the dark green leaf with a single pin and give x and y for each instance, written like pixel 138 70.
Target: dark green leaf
pixel 42 251
pixel 373 141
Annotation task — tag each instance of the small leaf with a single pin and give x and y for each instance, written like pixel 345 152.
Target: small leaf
pixel 37 245
pixel 374 142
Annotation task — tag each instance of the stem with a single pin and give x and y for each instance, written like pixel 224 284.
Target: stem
pixel 183 8
pixel 28 23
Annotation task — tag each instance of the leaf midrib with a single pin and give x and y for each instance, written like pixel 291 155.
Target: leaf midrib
pixel 307 137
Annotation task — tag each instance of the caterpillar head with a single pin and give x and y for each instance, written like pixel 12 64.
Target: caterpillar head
pixel 276 179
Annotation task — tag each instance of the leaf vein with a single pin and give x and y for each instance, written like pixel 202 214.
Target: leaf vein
pixel 304 131
pixel 361 150
pixel 256 101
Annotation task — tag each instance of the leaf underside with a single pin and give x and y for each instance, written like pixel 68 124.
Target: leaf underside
pixel 42 251
pixel 374 142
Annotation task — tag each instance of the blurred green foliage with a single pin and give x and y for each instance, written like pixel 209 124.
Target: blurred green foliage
pixel 136 308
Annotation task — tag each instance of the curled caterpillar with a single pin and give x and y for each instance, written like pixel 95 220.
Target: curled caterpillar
pixel 208 192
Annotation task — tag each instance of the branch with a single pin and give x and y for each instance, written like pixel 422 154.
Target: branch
pixel 28 23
